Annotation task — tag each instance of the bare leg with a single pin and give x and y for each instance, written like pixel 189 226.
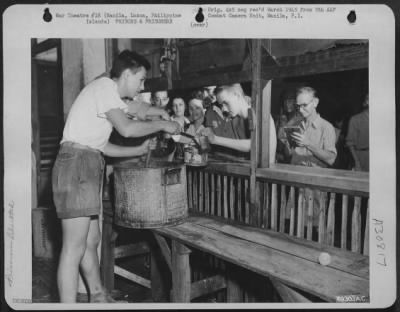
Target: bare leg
pixel 75 233
pixel 90 261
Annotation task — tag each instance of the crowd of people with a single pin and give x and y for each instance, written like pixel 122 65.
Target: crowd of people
pixel 221 114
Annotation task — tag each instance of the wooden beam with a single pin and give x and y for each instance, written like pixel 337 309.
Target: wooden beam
pixel 264 122
pixel 132 277
pixel 181 285
pixel 131 250
pixel 288 294
pixel 341 181
pixel 336 64
pixel 164 249
pixel 207 286
pixel 255 213
pixel 45 45
pixel 354 59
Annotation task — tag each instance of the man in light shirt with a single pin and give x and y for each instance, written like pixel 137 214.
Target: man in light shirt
pixel 78 170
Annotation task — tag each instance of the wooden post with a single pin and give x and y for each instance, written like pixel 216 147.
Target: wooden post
pixel 292 210
pixel 219 190
pixel 274 207
pixel 322 215
pixel 190 187
pixel 207 195
pixel 231 198
pixel 181 283
pixel 330 227
pixel 212 194
pixel 343 236
pixel 366 235
pixel 157 276
pixel 310 212
pixel 282 216
pixel 201 192
pixel 256 109
pixel 356 226
pixel 107 248
pixel 195 192
pixel 225 196
pixel 234 292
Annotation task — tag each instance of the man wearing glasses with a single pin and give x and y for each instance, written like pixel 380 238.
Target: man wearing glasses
pixel 315 143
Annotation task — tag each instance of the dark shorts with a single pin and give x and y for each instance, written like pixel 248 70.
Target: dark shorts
pixel 77 179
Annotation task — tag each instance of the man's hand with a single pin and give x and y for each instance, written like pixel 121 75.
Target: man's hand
pixel 149 144
pixel 172 127
pixel 209 133
pixel 301 140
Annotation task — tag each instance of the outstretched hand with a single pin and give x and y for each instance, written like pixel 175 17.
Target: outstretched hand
pixel 209 133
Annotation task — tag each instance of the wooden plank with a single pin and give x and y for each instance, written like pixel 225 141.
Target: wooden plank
pixel 342 260
pixel 213 208
pixel 195 191
pixel 190 189
pixel 310 212
pixel 300 214
pixel 45 45
pixel 292 210
pixel 330 227
pixel 206 192
pixel 162 243
pixel 231 198
pixel 288 294
pixel 343 230
pixel 274 207
pixel 254 114
pixel 181 284
pixel 356 226
pixel 282 216
pixel 322 217
pixel 246 201
pixel 322 281
pixel 266 205
pixel 132 277
pixel 131 250
pixel 264 121
pixel 201 192
pixel 225 196
pixel 332 180
pixel 228 168
pixel 366 233
pixel 207 286
pixel 219 196
pixel 241 204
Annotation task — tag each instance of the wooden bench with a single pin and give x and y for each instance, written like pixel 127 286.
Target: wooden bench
pixel 289 262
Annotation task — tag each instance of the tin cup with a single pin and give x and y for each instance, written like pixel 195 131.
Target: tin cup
pixel 204 144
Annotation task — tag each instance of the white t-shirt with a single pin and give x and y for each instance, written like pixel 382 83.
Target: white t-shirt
pixel 87 123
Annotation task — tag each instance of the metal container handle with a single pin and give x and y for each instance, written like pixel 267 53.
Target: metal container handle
pixel 172 176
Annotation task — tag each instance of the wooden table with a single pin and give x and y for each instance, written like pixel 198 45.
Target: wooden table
pixel 288 261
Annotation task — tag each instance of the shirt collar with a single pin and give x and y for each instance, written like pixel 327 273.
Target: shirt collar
pixel 315 121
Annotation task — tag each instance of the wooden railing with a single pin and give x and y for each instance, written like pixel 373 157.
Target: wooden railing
pixel 324 205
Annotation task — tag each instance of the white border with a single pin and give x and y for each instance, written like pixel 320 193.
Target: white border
pixel 23 22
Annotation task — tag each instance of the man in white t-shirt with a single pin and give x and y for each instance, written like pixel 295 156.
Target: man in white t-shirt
pixel 237 103
pixel 78 170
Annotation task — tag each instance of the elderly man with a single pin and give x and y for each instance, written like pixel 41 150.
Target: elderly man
pixel 315 145
pixel 237 104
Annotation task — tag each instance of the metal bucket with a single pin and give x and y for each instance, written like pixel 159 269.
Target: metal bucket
pixel 150 197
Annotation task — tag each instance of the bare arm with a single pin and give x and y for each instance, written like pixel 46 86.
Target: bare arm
pixel 357 164
pixel 242 145
pixel 137 128
pixel 113 150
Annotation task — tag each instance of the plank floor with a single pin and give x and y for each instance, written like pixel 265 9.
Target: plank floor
pixel 44 285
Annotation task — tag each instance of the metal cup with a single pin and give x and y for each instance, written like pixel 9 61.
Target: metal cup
pixel 204 144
